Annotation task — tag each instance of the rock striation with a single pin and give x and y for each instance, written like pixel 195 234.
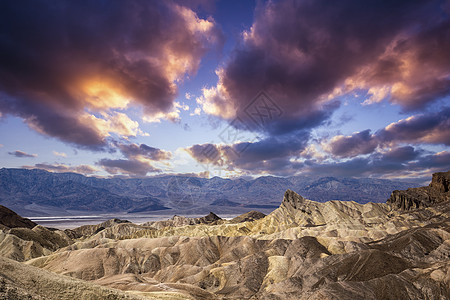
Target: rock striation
pixel 414 198
pixel 22 244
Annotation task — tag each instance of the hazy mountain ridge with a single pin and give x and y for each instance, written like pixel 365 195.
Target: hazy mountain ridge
pixel 26 191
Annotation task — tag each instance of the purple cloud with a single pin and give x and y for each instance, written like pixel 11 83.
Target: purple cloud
pixel 132 167
pixel 142 150
pixel 428 128
pixel 397 163
pixel 350 146
pixel 270 155
pixel 19 153
pixel 305 54
pixel 66 66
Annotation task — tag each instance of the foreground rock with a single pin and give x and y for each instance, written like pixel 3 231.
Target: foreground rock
pixel 20 281
pixel 23 244
pixel 21 239
pixel 413 264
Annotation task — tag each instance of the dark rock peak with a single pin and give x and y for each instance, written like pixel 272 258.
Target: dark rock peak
pixel 292 199
pixel 415 198
pixel 87 230
pixel 116 221
pixel 211 217
pixel 10 219
pixel 248 217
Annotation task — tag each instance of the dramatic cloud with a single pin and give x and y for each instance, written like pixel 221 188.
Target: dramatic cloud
pixel 62 168
pixel 131 167
pixel 139 160
pixel 356 144
pixel 272 155
pixel 306 54
pixel 68 66
pixel 84 71
pixel 396 163
pixel 429 128
pixel 414 69
pixel 402 154
pixel 293 153
pixel 290 155
pixel 142 150
pixel 19 153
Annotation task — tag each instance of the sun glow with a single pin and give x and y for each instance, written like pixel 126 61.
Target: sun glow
pixel 101 94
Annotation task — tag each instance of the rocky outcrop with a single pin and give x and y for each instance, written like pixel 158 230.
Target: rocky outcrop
pixel 88 230
pixel 23 243
pixel 332 221
pixel 415 198
pixel 209 218
pixel 441 182
pixel 248 217
pixel 21 239
pixel 178 221
pixel 10 219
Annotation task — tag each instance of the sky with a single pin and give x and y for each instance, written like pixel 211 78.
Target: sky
pixel 226 88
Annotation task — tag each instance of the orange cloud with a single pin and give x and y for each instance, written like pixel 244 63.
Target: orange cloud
pixel 79 75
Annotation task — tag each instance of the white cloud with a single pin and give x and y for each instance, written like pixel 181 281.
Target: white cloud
pixel 173 115
pixel 196 112
pixel 61 154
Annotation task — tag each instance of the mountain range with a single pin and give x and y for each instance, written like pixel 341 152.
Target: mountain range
pixel 38 192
